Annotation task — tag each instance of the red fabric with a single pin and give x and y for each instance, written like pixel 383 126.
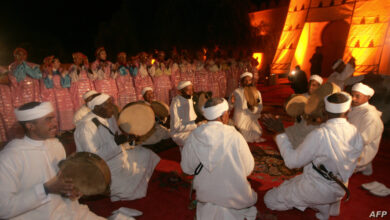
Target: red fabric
pixel 140 83
pixel 162 86
pixel 64 106
pixel 126 89
pixel 77 89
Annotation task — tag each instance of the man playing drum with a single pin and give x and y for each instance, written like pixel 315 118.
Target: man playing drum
pixel 130 169
pixel 247 112
pixel 328 155
pixel 31 186
pixel 183 115
pixel 160 132
pixel 84 110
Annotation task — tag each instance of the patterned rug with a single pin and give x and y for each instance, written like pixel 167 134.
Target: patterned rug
pixel 270 169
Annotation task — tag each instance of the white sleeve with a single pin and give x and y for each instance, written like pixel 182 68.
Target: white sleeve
pixel 246 155
pixel 348 71
pixel 303 154
pixel 89 139
pixel 189 160
pixel 13 201
pixel 176 121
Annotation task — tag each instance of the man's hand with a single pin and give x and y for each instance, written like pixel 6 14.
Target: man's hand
pixel 62 186
pixel 273 123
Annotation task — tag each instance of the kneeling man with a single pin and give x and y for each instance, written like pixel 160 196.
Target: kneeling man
pixel 221 158
pixel 328 151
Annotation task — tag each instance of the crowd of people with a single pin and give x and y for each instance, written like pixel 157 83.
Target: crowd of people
pixel 64 85
pixel 339 142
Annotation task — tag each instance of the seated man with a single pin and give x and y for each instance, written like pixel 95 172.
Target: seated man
pixel 220 158
pixel 183 115
pixel 367 120
pixel 328 155
pixel 245 116
pixel 160 132
pixel 130 169
pixel 315 82
pixel 342 72
pixel 84 110
pixel 297 132
pixel 31 187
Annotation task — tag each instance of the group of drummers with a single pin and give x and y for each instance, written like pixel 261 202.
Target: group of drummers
pixel 214 148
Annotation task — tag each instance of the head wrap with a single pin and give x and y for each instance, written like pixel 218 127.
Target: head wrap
pixel 183 84
pixel 89 93
pixel 78 54
pixel 246 74
pixel 337 63
pixel 144 90
pixel 38 111
pixel 216 111
pixel 364 89
pixel 98 100
pixel 338 107
pixel 317 78
pixel 99 50
pixel 18 50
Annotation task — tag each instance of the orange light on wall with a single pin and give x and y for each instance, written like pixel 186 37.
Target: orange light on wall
pixel 153 60
pixel 258 57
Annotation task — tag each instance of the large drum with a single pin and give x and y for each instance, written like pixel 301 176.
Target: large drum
pixel 251 95
pixel 160 109
pixel 295 106
pixel 89 172
pixel 136 118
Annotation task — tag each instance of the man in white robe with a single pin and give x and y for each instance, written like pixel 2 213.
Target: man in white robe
pixel 160 132
pixel 367 120
pixel 31 186
pixel 131 167
pixel 223 157
pixel 297 132
pixel 183 115
pixel 342 72
pixel 246 117
pixel 84 110
pixel 336 145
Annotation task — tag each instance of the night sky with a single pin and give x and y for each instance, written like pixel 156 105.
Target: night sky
pixel 62 27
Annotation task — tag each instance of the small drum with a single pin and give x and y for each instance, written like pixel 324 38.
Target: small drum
pixel 251 95
pixel 89 172
pixel 295 106
pixel 136 118
pixel 200 98
pixel 315 103
pixel 160 109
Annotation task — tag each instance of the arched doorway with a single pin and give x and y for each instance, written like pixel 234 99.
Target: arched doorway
pixel 334 38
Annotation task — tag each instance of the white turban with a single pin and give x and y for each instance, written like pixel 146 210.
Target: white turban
pixel 98 100
pixel 246 74
pixel 38 111
pixel 364 89
pixel 317 78
pixel 144 90
pixel 338 107
pixel 183 84
pixel 216 111
pixel 89 94
pixel 337 63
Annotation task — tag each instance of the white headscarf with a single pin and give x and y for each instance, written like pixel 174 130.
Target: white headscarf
pixel 144 90
pixel 183 84
pixel 338 107
pixel 317 78
pixel 89 94
pixel 38 111
pixel 216 111
pixel 364 89
pixel 98 100
pixel 246 74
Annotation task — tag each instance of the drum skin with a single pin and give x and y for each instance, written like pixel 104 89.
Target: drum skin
pixel 136 118
pixel 89 172
pixel 315 103
pixel 160 109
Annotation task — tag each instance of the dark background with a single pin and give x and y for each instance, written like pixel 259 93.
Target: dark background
pixel 62 27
